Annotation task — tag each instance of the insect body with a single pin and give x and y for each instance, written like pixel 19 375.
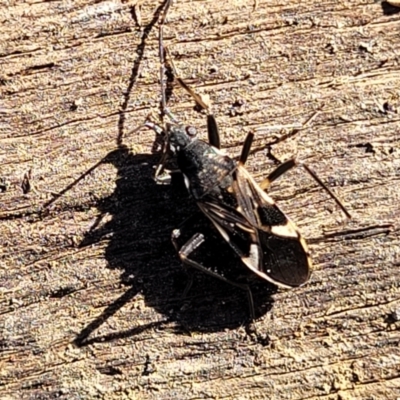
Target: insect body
pixel 264 238
pixel 267 242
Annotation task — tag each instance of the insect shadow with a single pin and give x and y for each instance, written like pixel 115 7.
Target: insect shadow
pixel 143 215
pixel 232 232
pixel 388 9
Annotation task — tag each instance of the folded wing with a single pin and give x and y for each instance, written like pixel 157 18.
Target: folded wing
pixel 260 233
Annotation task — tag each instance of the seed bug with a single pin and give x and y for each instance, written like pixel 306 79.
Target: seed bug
pixel 268 243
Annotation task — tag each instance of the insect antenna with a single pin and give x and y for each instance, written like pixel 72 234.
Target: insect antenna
pixel 164 71
pixel 162 53
pixel 212 126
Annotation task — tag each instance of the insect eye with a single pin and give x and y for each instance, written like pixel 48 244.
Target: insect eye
pixel 191 131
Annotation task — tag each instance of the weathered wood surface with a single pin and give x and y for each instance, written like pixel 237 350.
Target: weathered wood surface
pixel 90 289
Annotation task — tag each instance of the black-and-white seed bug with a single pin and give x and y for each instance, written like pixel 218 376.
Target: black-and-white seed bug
pixel 268 243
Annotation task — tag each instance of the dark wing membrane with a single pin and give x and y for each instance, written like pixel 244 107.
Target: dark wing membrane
pixel 260 233
pixel 232 226
pixel 285 259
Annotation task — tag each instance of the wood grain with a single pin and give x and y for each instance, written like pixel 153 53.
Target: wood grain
pixel 90 287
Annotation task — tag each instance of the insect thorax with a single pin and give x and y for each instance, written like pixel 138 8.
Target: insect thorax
pixel 206 169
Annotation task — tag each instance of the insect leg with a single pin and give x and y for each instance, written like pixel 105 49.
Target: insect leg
pixel 277 172
pixel 246 148
pixel 189 283
pixel 318 180
pixel 213 133
pixel 158 176
pixel 188 249
pixel 289 164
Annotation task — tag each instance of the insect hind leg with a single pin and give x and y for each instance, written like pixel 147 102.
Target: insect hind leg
pixel 288 165
pixel 189 246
